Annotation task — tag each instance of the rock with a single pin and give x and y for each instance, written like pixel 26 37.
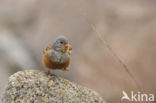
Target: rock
pixel 34 86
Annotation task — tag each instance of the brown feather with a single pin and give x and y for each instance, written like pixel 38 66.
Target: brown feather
pixel 49 63
pixel 47 49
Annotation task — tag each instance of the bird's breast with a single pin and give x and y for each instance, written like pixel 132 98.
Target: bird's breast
pixel 56 60
pixel 58 56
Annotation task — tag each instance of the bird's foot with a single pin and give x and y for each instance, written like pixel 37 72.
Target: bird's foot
pixel 48 72
pixel 66 69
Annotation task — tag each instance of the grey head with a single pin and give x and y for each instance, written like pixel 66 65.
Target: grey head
pixel 60 42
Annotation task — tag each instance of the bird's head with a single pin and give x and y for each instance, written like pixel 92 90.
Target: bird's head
pixel 62 45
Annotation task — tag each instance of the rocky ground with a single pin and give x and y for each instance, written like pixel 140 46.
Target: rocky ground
pixel 34 86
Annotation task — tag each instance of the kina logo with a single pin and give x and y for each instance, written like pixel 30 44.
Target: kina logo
pixel 138 96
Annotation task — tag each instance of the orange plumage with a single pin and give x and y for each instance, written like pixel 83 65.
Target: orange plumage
pixel 49 63
pixel 57 55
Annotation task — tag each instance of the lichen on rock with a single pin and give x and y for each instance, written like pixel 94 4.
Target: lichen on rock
pixel 34 86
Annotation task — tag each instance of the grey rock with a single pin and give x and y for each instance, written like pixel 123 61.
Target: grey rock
pixel 34 86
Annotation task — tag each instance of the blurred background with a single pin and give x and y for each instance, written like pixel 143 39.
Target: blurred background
pixel 127 26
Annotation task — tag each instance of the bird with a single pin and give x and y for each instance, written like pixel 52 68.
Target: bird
pixel 57 55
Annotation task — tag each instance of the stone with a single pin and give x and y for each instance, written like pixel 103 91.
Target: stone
pixel 34 86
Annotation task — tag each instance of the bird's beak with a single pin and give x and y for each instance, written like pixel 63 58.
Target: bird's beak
pixel 67 45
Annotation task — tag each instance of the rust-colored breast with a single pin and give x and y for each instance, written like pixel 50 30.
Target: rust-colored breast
pixel 49 63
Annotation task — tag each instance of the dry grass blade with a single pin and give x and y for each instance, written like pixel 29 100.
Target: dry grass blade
pixel 114 55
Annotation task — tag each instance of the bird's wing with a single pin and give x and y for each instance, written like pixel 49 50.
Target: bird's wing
pixel 47 48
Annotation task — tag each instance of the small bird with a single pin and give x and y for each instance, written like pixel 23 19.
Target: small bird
pixel 57 55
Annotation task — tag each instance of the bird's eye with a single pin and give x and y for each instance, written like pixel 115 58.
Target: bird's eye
pixel 61 42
